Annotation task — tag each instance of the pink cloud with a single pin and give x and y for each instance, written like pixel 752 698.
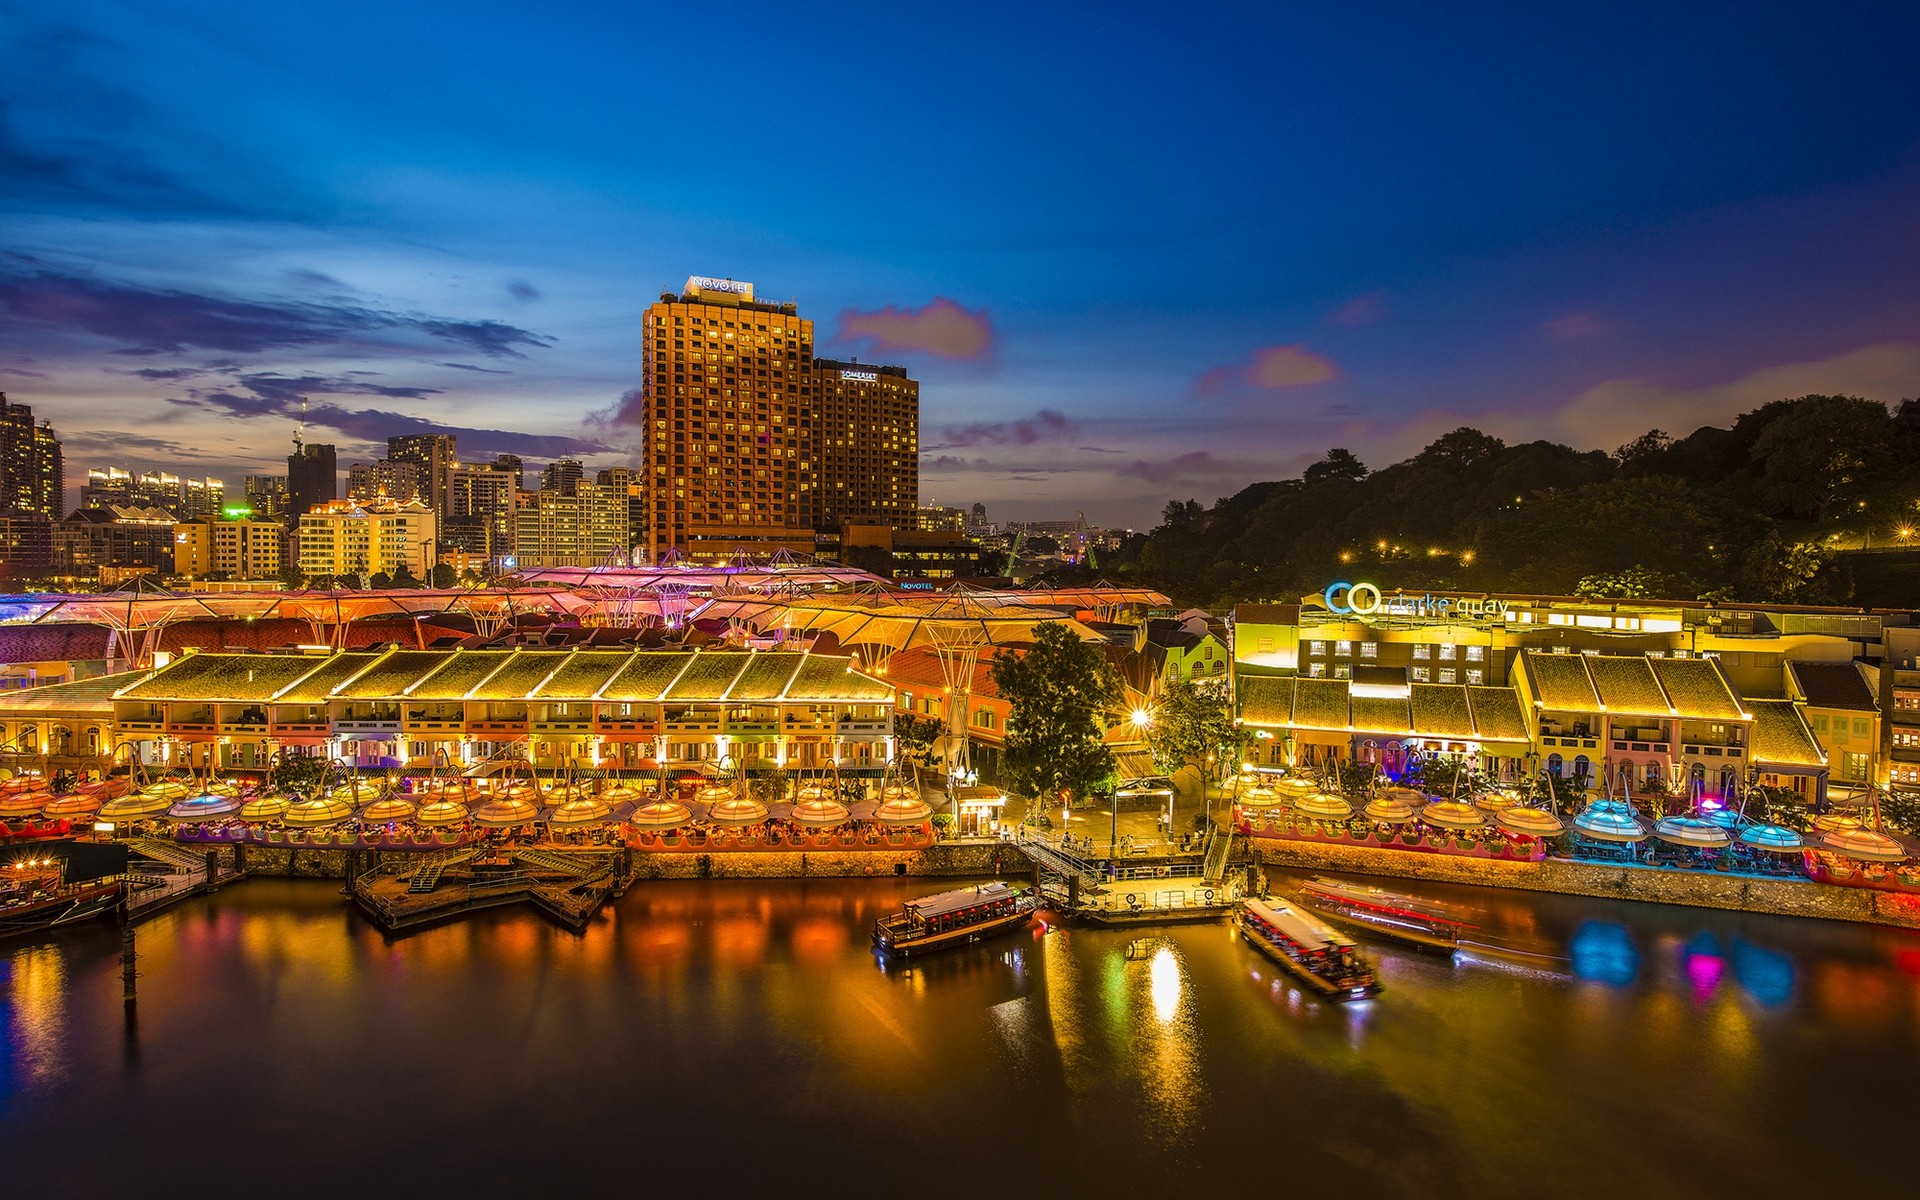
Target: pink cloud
pixel 941 327
pixel 1361 310
pixel 1575 326
pixel 1268 369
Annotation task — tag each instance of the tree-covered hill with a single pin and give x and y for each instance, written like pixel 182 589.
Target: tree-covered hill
pixel 1752 512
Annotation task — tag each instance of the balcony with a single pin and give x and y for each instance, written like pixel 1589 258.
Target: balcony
pixel 753 731
pixel 862 731
pixel 1710 750
pixel 1569 740
pixel 496 727
pixel 367 728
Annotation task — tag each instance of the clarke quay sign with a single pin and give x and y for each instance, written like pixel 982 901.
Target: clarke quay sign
pixel 1367 600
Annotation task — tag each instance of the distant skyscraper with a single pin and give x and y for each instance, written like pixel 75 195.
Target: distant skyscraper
pixel 866 447
pixel 481 501
pixel 312 478
pixel 727 408
pixel 201 498
pixel 577 529
pixel 396 479
pixel 563 476
pixel 107 485
pixel 267 495
pixel 32 472
pixel 434 454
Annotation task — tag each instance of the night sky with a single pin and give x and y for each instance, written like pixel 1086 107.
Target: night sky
pixel 1132 253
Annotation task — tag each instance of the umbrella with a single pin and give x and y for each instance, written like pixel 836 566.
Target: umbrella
pixel 440 812
pixel 903 810
pixel 168 790
pixel 1832 823
pixel 1528 822
pixel 1452 814
pixel 140 804
pixel 820 811
pixel 1385 808
pixel 565 792
pixel 23 803
pixel 739 810
pixel 620 793
pixel 713 793
pixel 1611 821
pixel 454 788
pixel 393 808
pixel 318 812
pixel 661 814
pixel 507 812
pixel 1296 787
pixel 580 813
pixel 1692 831
pixel 1258 797
pixel 355 792
pixel 204 807
pixel 74 804
pixel 265 808
pixel 1324 805
pixel 1411 797
pixel 221 787
pixel 1776 839
pixel 1864 844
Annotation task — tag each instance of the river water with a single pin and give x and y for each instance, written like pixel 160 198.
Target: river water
pixel 741 1036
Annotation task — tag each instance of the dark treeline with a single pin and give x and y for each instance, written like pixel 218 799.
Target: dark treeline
pixel 1747 513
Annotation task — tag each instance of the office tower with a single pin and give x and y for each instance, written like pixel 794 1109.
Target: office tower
pixel 201 498
pixel 626 481
pixel 157 489
pixel 106 485
pixel 32 472
pixel 266 495
pixel 434 454
pixel 26 544
pixel 562 476
pixel 312 478
pixel 340 537
pixel 391 478
pixel 557 529
pixel 241 548
pixel 727 408
pixel 482 499
pixel 866 447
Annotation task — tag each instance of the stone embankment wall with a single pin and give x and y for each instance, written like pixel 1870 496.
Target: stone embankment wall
pixel 1783 897
pixel 944 858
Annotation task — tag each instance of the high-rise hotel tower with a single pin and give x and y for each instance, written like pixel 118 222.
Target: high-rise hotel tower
pixel 736 421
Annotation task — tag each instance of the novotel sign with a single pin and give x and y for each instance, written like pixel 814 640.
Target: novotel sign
pixel 1367 600
pixel 700 283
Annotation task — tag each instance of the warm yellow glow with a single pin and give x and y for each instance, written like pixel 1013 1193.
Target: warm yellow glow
pixel 1165 984
pixel 1142 718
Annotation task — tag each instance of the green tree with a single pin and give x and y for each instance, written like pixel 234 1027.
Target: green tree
pixel 1058 690
pixel 1826 456
pixel 444 576
pixel 1634 583
pixel 917 735
pixel 291 576
pixel 403 577
pixel 302 773
pixel 1194 719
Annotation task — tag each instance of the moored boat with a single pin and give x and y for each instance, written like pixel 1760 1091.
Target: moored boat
pixel 33 897
pixel 1310 951
pixel 1391 915
pixel 956 918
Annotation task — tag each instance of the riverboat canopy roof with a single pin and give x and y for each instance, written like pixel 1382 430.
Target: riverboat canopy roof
pixel 960 899
pixel 1781 736
pixel 561 675
pixel 1440 711
pixel 1632 685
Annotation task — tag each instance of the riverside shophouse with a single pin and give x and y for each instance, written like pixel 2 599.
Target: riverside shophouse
pixel 613 710
pixel 1687 689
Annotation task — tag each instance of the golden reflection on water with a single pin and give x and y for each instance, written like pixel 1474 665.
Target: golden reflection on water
pixel 38 1002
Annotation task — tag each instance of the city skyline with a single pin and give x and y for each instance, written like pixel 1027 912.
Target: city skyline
pixel 1169 264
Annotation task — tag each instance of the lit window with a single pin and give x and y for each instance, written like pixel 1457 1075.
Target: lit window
pixel 1343 649
pixel 1476 676
pixel 1422 675
pixel 1447 651
pixel 1422 650
pixel 1476 653
pixel 1448 675
pixel 1369 649
pixel 1316 670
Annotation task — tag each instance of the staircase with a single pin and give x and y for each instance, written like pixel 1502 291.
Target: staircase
pixel 1051 858
pixel 426 876
pixel 174 855
pixel 579 866
pixel 1219 849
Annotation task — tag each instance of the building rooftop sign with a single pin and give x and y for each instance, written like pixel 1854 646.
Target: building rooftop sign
pixel 704 285
pixel 861 376
pixel 1367 600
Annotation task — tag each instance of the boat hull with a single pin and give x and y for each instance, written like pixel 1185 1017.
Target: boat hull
pixel 1320 986
pixel 69 906
pixel 953 939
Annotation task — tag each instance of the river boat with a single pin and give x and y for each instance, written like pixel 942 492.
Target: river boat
pixel 958 918
pixel 1395 916
pixel 1326 962
pixel 34 900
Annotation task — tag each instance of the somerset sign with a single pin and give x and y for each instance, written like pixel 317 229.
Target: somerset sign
pixel 1367 600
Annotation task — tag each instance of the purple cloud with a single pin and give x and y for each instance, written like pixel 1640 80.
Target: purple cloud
pixel 1197 464
pixel 1047 425
pixel 1267 370
pixel 941 327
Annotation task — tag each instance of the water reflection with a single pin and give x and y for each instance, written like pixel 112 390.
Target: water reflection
pixel 1604 953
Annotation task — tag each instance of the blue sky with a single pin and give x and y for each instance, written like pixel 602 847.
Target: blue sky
pixel 1132 253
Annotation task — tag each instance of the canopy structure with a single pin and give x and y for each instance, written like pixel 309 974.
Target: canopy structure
pixel 739 810
pixel 661 814
pixel 1453 814
pixel 440 812
pixel 392 808
pixel 23 803
pixel 820 811
pixel 903 809
pixel 204 807
pixel 1692 831
pixel 580 813
pixel 507 812
pixel 620 793
pixel 1389 810
pixel 1258 796
pixel 74 804
pixel 1610 821
pixel 357 791
pixel 318 812
pixel 1528 822
pixel 132 807
pixel 1295 787
pixel 168 790
pixel 265 808
pixel 1324 806
pixel 1864 844
pixel 1775 839
pixel 1832 823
